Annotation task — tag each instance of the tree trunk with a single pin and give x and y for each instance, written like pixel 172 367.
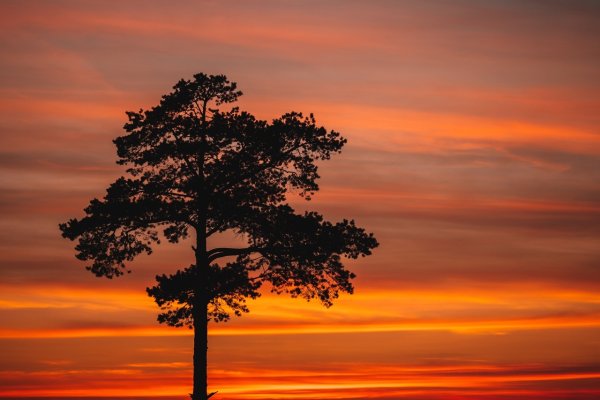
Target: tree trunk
pixel 200 311
pixel 200 352
pixel 200 315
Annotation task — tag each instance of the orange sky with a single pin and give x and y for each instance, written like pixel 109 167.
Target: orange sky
pixel 473 155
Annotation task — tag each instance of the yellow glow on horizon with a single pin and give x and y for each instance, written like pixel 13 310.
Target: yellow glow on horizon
pixel 365 311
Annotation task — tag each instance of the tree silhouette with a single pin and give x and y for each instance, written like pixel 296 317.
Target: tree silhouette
pixel 195 169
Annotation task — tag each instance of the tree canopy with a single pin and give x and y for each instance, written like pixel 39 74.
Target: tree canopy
pixel 197 166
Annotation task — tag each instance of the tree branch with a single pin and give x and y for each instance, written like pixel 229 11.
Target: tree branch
pixel 185 160
pixel 176 194
pixel 219 252
pixel 262 167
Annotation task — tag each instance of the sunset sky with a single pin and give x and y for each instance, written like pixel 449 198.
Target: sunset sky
pixel 473 155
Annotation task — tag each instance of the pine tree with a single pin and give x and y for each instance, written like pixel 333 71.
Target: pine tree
pixel 198 168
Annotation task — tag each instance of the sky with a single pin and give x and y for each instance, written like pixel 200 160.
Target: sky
pixel 473 155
